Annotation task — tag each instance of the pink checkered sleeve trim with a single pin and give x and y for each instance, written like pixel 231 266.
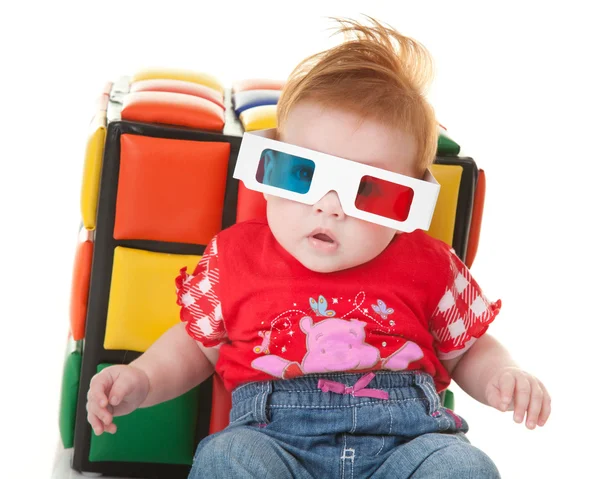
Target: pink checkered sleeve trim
pixel 197 294
pixel 463 314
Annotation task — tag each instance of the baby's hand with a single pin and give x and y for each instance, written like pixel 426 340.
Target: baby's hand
pixel 115 391
pixel 512 388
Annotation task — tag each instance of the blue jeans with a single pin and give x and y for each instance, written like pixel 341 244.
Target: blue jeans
pixel 291 429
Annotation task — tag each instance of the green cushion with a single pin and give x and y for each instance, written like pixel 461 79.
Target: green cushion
pixel 68 398
pixel 447 146
pixel 164 433
pixel 449 399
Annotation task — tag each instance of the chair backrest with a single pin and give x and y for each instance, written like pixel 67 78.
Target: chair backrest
pixel 157 186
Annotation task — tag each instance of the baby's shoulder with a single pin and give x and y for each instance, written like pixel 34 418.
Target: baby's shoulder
pixel 243 238
pixel 243 230
pixel 420 245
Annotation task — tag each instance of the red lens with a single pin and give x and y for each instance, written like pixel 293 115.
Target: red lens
pixel 383 198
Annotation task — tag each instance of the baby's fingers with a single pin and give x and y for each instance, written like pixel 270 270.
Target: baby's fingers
pixel 535 405
pixel 506 384
pixel 522 396
pixel 545 412
pixel 99 417
pixel 111 428
pixel 97 425
pixel 99 385
pixel 123 386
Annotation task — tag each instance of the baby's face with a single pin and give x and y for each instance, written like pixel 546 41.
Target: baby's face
pixel 321 236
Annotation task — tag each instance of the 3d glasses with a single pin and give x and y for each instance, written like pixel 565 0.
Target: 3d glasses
pixel 368 193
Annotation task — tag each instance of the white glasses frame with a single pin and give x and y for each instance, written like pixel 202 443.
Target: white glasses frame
pixel 337 174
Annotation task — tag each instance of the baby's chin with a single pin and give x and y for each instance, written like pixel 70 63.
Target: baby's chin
pixel 325 265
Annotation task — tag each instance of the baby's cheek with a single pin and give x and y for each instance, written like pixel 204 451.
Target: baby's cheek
pixel 285 218
pixel 377 238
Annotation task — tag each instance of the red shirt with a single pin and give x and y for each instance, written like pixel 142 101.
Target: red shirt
pixel 271 317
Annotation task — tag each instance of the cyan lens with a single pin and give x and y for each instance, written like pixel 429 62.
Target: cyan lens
pixel 285 171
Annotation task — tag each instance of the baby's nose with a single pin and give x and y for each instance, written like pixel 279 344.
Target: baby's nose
pixel 330 205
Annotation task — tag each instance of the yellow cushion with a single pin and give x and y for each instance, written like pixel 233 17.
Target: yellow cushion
pixel 259 118
pixel 444 216
pixel 91 170
pixel 184 75
pixel 142 303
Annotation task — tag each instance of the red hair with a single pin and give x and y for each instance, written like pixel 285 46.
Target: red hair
pixel 378 74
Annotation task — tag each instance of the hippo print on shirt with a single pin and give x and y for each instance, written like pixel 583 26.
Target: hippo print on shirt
pixel 333 345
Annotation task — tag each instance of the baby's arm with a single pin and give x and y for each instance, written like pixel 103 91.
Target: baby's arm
pixel 488 373
pixel 173 365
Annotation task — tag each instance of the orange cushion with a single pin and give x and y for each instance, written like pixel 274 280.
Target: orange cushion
pixel 179 86
pixel 173 109
pixel 170 190
pixel 80 287
pixel 257 84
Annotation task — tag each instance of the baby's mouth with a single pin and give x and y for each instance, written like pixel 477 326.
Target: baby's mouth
pixel 323 237
pixel 323 240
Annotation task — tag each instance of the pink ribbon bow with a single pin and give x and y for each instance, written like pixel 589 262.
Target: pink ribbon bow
pixel 358 390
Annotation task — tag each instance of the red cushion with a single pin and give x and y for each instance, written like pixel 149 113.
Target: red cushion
pixel 251 204
pixel 221 406
pixel 476 216
pixel 173 109
pixel 179 86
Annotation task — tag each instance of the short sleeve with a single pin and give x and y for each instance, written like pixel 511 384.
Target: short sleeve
pixel 198 296
pixel 463 313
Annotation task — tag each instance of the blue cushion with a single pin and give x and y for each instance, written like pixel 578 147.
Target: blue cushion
pixel 251 98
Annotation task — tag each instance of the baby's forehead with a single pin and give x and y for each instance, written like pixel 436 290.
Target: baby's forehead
pixel 348 135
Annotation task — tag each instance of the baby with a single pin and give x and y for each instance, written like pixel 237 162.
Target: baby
pixel 336 322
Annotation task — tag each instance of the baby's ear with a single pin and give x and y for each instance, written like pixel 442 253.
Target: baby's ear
pixel 268 165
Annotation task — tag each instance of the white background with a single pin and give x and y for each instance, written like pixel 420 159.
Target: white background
pixel 516 85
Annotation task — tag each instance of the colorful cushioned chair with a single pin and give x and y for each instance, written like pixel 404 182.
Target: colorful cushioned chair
pixel 157 186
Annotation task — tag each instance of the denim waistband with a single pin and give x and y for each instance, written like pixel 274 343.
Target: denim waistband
pixel 255 398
